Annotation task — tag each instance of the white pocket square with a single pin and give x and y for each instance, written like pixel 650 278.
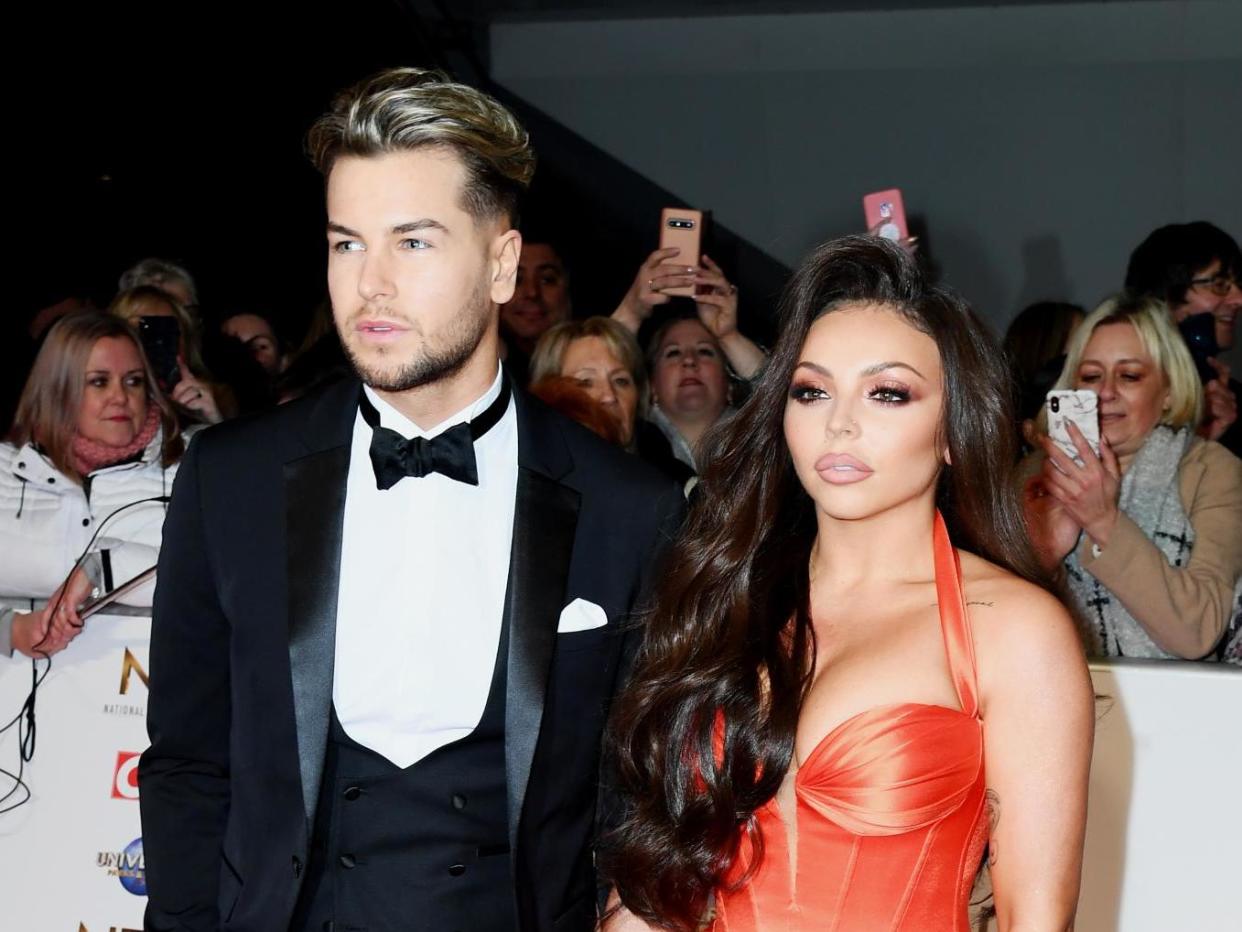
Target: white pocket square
pixel 581 615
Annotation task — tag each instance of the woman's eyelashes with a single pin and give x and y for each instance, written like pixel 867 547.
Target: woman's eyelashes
pixel 806 393
pixel 890 393
pixel 885 394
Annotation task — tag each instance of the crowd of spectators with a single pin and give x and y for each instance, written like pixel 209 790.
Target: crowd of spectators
pixel 1145 534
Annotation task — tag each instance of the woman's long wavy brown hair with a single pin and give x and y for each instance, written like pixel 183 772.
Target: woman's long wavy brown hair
pixel 729 634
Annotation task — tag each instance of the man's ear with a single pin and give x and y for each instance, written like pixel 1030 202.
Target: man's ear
pixel 505 251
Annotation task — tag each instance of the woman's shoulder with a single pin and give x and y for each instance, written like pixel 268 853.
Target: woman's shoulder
pixel 1212 457
pixel 1015 623
pixel 24 461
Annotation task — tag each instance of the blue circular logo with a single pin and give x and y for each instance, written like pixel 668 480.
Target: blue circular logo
pixel 133 869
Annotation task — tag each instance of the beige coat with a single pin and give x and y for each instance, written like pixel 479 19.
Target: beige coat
pixel 1184 609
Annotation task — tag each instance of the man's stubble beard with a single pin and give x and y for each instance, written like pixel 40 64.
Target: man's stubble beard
pixel 459 340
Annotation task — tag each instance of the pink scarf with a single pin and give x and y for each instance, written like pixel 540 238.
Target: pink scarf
pixel 89 455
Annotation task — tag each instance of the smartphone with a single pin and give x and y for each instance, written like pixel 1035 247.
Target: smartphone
pixel 885 209
pixel 91 606
pixel 1199 332
pixel 161 341
pixel 1082 408
pixel 683 229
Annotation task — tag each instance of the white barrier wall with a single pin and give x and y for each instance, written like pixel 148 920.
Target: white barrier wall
pixel 1164 824
pixel 1164 832
pixel 72 855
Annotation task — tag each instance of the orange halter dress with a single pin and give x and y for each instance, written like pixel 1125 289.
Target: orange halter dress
pixel 890 824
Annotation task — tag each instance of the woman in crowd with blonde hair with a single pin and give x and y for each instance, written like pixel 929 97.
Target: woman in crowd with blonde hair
pixel 93 435
pixel 1147 531
pixel 602 357
pixel 200 399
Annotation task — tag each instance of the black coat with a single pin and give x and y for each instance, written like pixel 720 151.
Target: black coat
pixel 242 652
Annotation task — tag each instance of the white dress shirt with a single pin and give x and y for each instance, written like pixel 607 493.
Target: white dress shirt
pixel 424 568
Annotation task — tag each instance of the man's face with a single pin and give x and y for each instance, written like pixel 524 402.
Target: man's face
pixel 1202 298
pixel 414 279
pixel 541 297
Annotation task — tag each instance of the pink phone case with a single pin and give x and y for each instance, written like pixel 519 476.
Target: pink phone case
pixel 886 210
pixel 683 229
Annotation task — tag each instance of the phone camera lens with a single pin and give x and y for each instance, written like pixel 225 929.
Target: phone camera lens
pixel 1055 405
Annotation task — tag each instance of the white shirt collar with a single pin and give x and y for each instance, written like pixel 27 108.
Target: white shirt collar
pixel 393 419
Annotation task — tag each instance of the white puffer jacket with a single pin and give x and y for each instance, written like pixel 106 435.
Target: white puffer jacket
pixel 46 521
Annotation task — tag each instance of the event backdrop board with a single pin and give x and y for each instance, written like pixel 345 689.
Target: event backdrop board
pixel 1164 832
pixel 72 855
pixel 1164 819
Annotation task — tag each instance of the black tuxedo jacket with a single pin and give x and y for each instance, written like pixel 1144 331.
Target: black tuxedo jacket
pixel 242 654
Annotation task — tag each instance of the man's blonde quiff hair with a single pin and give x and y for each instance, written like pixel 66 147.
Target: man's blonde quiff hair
pixel 1164 344
pixel 405 109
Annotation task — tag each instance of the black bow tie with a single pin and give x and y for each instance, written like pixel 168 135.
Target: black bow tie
pixel 450 453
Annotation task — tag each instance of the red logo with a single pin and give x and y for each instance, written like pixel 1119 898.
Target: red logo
pixel 125 777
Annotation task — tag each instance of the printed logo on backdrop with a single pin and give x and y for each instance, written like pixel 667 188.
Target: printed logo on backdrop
pixel 125 775
pixel 132 673
pixel 128 866
pixel 83 927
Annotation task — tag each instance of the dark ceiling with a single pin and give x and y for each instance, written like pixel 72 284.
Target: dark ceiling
pixel 176 129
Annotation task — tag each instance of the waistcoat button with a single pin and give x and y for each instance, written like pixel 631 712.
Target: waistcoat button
pixel 459 801
pixel 457 870
pixel 352 792
pixel 348 861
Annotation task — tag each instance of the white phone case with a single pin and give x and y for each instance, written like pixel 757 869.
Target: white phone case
pixel 1081 407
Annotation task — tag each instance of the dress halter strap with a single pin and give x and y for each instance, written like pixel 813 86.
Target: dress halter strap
pixel 959 644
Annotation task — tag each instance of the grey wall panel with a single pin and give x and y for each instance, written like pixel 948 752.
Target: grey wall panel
pixel 1038 143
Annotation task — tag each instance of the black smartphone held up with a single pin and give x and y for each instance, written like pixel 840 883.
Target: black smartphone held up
pixel 1199 332
pixel 161 341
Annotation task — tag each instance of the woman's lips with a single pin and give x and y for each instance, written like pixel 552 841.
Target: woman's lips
pixel 842 469
pixel 689 380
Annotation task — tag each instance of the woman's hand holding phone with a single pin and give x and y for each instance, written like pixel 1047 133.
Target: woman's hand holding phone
pixel 647 290
pixel 1087 488
pixel 716 300
pixel 1053 532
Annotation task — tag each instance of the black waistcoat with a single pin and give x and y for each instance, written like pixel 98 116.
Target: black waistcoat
pixel 420 848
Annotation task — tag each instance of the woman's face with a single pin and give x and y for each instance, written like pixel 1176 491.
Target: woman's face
pixel 864 413
pixel 1133 390
pixel 590 363
pixel 689 381
pixel 114 398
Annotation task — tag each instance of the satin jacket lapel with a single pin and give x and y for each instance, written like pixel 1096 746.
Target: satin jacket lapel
pixel 545 519
pixel 315 484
